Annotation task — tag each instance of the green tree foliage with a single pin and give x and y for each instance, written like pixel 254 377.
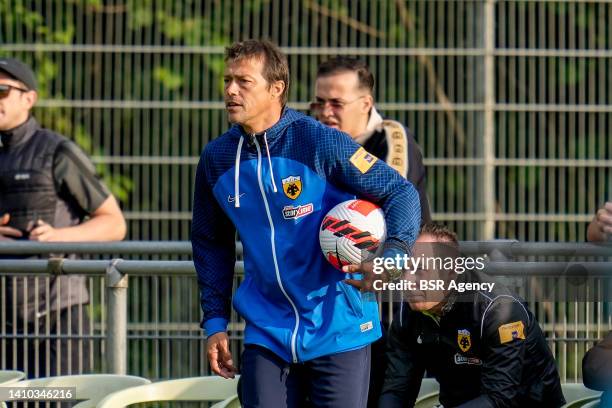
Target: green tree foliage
pixel 17 18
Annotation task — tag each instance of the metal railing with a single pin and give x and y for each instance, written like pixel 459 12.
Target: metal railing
pixel 508 247
pixel 571 325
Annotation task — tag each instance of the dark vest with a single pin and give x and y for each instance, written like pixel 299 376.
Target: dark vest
pixel 28 193
pixel 27 187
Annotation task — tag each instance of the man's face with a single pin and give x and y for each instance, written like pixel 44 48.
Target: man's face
pixel 341 104
pixel 14 103
pixel 423 300
pixel 249 98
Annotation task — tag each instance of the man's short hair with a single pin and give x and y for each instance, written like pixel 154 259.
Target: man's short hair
pixel 276 67
pixel 439 232
pixel 342 64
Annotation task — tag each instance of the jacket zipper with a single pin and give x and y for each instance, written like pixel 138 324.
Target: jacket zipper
pixel 278 278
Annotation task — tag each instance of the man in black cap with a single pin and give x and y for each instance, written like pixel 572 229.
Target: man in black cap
pixel 48 192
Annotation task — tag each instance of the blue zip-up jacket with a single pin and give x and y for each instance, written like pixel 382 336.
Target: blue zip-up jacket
pixel 293 301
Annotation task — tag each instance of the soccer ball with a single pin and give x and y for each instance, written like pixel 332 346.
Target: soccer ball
pixel 350 228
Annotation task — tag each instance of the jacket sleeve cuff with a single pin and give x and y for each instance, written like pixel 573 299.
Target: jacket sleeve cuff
pixel 215 325
pixel 392 248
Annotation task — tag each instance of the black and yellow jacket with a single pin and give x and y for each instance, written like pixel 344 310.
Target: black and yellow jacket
pixel 486 350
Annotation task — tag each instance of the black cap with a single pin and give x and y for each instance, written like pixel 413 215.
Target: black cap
pixel 19 71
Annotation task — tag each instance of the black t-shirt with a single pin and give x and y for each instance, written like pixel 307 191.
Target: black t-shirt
pixel 76 180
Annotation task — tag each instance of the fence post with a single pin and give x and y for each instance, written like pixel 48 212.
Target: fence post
pixel 116 340
pixel 488 188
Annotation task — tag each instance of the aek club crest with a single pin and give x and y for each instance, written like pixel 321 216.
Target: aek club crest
pixel 464 340
pixel 292 186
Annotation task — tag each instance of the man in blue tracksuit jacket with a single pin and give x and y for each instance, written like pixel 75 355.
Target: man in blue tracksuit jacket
pixel 272 177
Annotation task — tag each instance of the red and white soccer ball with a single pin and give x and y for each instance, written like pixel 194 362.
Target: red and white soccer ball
pixel 350 228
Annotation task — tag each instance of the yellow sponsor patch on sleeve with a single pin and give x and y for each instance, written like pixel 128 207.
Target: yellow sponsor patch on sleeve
pixel 363 160
pixel 511 331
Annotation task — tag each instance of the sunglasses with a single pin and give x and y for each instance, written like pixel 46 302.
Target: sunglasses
pixel 6 89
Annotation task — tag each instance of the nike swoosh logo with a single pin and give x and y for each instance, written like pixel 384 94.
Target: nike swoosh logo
pixel 231 199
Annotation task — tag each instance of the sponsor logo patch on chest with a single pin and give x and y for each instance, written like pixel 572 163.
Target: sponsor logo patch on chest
pixel 459 359
pixel 291 212
pixel 22 176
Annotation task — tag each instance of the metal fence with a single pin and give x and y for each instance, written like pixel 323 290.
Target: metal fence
pixel 153 318
pixel 510 100
pixel 168 342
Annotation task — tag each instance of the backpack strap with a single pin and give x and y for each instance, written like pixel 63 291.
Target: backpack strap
pixel 397 146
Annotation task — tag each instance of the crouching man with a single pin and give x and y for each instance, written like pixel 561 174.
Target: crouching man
pixel 485 348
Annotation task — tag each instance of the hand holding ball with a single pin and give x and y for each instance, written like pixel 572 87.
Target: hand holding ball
pixel 348 229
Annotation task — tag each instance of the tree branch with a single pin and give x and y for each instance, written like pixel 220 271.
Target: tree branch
pixel 433 77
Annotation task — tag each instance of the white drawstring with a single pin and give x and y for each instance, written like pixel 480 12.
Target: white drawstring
pixel 270 162
pixel 237 174
pixel 237 171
